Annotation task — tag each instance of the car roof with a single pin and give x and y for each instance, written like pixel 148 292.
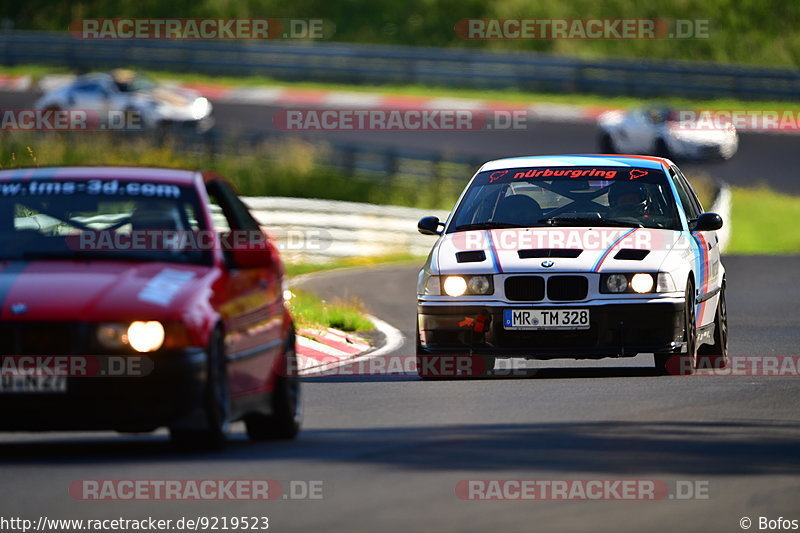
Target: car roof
pixel 151 174
pixel 578 160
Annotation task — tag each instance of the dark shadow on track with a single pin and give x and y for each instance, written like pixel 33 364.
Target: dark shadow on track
pixel 615 448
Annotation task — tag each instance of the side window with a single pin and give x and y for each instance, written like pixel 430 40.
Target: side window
pixel 692 195
pixel 683 194
pixel 219 219
pixel 224 202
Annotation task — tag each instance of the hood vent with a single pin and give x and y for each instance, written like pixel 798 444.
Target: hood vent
pixel 629 254
pixel 565 253
pixel 471 257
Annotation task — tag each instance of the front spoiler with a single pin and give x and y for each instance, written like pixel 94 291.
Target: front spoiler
pixel 616 330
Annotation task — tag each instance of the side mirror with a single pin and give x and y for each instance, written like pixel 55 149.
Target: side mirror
pixel 706 222
pixel 429 226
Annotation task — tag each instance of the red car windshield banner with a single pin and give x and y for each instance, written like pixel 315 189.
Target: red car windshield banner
pixel 571 173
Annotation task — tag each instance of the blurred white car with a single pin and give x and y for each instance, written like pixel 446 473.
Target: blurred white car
pixel 130 98
pixel 657 130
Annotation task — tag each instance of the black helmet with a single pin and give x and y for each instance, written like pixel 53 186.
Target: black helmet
pixel 628 197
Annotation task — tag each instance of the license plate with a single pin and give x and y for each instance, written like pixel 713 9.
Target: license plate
pixel 546 319
pixel 33 384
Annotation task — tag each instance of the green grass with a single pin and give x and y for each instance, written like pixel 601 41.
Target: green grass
pixel 296 269
pixel 347 314
pixel 764 222
pixel 507 96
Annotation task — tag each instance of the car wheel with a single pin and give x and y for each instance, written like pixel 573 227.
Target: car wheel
pixel 285 403
pixel 716 354
pixel 216 402
pixel 607 144
pixel 682 364
pixel 661 149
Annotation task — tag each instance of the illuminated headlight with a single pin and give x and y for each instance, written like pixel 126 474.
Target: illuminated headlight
pixel 146 336
pixel 199 107
pixel 455 285
pixel 642 283
pixel 616 283
pixel 479 285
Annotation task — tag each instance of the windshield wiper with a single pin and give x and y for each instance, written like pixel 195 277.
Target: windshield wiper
pixel 587 221
pixel 487 225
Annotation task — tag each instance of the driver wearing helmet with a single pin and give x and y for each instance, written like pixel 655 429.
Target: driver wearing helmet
pixel 628 200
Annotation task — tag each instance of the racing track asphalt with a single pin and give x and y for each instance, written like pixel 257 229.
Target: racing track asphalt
pixel 762 158
pixel 390 450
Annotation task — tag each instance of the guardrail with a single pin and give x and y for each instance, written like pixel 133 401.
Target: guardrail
pixel 382 64
pixel 320 230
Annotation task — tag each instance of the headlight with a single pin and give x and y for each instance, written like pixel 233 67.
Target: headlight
pixel 635 283
pixel 146 336
pixel 199 107
pixel 642 283
pixel 616 283
pixel 112 336
pixel 479 285
pixel 455 285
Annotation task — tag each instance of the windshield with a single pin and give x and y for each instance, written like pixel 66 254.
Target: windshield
pixel 567 196
pixel 100 219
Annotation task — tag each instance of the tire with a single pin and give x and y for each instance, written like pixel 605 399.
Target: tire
pixel 607 144
pixel 216 403
pixel 716 355
pixel 286 404
pixel 682 364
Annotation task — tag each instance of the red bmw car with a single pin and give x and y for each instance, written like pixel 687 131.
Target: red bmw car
pixel 137 298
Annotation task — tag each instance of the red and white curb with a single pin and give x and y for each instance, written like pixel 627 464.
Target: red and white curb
pixel 15 83
pixel 310 98
pixel 317 347
pixel 321 350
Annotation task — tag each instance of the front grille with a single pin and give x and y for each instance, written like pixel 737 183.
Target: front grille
pixel 525 288
pixel 567 288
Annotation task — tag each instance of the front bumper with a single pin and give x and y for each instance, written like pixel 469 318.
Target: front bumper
pixel 616 330
pixel 172 392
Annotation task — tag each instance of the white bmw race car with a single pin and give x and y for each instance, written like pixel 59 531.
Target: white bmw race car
pixel 574 256
pixel 124 99
pixel 658 130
